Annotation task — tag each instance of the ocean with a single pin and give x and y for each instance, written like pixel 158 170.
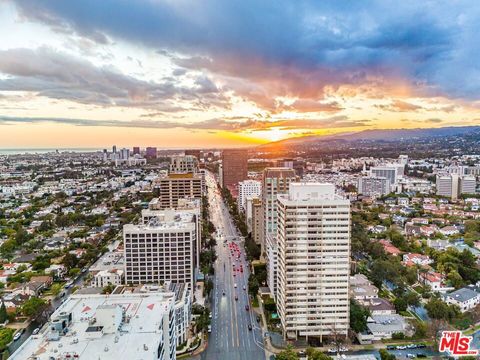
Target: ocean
pixel 45 150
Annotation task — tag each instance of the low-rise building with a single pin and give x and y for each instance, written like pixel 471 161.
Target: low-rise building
pixel 384 326
pixel 465 298
pixel 119 326
pixel 107 277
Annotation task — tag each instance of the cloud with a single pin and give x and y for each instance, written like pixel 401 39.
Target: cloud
pixel 368 42
pixel 60 76
pixel 400 106
pixel 235 125
pixel 434 121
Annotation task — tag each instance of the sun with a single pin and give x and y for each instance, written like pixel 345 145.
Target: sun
pixel 272 134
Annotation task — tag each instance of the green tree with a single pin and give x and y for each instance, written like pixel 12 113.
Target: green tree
pixel 288 354
pixel 314 354
pixel 253 285
pixel 385 355
pixel 358 317
pixel 3 313
pixel 33 307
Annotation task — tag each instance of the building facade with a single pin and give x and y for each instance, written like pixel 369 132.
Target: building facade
pixel 246 189
pixel 373 186
pixel 175 187
pixel 313 252
pixel 234 167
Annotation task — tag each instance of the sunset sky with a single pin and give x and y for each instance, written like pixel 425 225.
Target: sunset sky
pixel 178 73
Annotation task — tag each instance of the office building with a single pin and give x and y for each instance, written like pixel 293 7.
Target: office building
pixel 183 164
pixel 151 152
pixel 390 172
pixel 448 185
pixel 373 186
pixel 234 167
pixel 136 150
pixel 162 250
pixel 468 185
pixel 313 255
pixel 247 189
pixel 403 159
pixel 185 209
pixel 174 187
pixel 116 326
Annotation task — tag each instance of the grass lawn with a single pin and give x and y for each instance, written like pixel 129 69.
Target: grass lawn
pixel 473 330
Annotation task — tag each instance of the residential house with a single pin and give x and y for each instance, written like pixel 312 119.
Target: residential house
pixel 416 259
pixel 389 248
pixel 465 298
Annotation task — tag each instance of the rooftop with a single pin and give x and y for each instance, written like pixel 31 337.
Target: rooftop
pixel 97 328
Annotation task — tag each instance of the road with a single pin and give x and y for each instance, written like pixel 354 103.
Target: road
pixel 230 337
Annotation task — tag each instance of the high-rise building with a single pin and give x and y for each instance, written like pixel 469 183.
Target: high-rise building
pixel 313 257
pixel 468 185
pixel 234 167
pixel 373 186
pixel 403 159
pixel 149 215
pixel 275 181
pixel 257 220
pixel 151 152
pixel 115 326
pixel 175 187
pixel 246 189
pixel 183 164
pixel 389 172
pixel 163 250
pixel 136 150
pixel 114 149
pixel 124 154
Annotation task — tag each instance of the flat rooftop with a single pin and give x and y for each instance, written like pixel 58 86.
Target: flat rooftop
pixel 144 311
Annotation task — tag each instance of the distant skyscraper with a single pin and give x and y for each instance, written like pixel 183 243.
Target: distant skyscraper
pixel 389 172
pixel 124 154
pixel 136 150
pixel 247 188
pixel 453 185
pixel 151 153
pixel 313 261
pixel 114 149
pixel 234 167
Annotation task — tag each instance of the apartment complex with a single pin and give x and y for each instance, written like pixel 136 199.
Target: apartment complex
pixel 257 220
pixel 162 250
pixel 247 189
pixel 275 181
pixel 175 187
pixel 234 167
pixel 117 326
pixel 373 186
pixel 313 240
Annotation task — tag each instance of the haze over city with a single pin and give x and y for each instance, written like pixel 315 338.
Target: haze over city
pixel 231 73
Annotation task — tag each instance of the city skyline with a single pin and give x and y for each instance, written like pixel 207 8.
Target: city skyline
pixel 166 73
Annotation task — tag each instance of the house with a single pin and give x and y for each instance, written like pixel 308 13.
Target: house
pixel 416 259
pixel 36 285
pixel 449 230
pixel 434 280
pixel 389 248
pixel 421 221
pixel 107 277
pixel 380 306
pixel 361 289
pixel 465 298
pixel 384 326
pixel 428 230
pixel 412 230
pixel 438 244
pixel 403 201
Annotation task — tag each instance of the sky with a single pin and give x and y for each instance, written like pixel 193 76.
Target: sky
pixel 216 73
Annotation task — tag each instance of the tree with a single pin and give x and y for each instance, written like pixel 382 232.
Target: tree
pixel 385 355
pixel 253 285
pixel 358 317
pixel 70 261
pixel 400 304
pixel 314 354
pixel 108 289
pixel 288 354
pixel 33 307
pixel 3 313
pixel 438 309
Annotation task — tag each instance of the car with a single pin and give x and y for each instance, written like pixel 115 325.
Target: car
pixel 421 355
pixel 236 297
pixel 247 307
pixel 235 285
pixel 244 287
pixel 17 336
pixel 223 293
pixel 411 356
pixel 209 328
pixel 84 270
pixel 36 331
pixel 250 327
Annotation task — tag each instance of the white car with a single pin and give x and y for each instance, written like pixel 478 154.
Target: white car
pixel 235 285
pixel 35 331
